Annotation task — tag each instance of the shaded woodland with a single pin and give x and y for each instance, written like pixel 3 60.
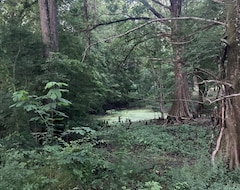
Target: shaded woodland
pixel 65 63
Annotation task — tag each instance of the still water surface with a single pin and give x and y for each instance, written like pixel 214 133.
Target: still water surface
pixel 129 114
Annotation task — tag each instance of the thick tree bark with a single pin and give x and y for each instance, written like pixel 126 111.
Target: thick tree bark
pixel 43 10
pixel 228 144
pixel 180 106
pixel 48 21
pixel 53 23
pixel 86 17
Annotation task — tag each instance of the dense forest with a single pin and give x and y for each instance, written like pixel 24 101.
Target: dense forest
pixel 66 64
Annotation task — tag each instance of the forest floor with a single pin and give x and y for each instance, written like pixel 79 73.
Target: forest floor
pixel 163 156
pixel 143 155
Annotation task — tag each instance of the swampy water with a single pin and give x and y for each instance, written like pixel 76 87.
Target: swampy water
pixel 129 114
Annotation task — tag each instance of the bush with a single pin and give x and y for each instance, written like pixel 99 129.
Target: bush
pixel 202 175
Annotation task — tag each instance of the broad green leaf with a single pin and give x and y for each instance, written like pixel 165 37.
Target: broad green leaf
pixel 50 85
pixel 54 94
pixel 35 118
pixel 21 95
pixel 63 102
pixel 30 107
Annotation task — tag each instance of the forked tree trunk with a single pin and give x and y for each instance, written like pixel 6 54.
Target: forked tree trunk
pixel 48 21
pixel 228 143
pixel 180 106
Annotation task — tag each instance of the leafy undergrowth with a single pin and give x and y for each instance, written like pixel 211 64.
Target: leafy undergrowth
pixel 141 157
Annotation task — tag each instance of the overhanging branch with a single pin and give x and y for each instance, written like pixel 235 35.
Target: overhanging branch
pixel 159 20
pixel 190 18
pixel 120 20
pixel 152 21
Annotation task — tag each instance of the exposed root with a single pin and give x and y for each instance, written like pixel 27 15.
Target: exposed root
pixel 217 145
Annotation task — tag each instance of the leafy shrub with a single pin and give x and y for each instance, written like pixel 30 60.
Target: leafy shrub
pixel 202 175
pixel 50 167
pixel 119 157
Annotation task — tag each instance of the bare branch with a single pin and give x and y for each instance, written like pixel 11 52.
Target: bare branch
pixel 217 82
pixel 117 36
pixel 152 21
pixel 191 18
pixel 161 4
pixel 135 45
pixel 159 20
pixel 201 28
pixel 218 1
pixel 153 10
pixel 130 31
pixel 120 20
pixel 206 72
pixel 222 98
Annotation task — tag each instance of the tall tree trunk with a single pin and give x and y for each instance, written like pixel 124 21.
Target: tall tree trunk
pixel 48 21
pixel 228 143
pixel 43 10
pixel 180 106
pixel 87 29
pixel 53 23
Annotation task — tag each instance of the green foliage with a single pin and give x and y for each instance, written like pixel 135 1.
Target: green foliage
pixel 6 119
pixel 120 157
pixel 45 110
pixel 52 167
pixel 202 175
pixel 111 73
pixel 151 185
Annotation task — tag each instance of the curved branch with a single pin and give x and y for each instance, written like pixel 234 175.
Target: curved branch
pixel 158 20
pixel 135 45
pixel 203 71
pixel 152 21
pixel 217 82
